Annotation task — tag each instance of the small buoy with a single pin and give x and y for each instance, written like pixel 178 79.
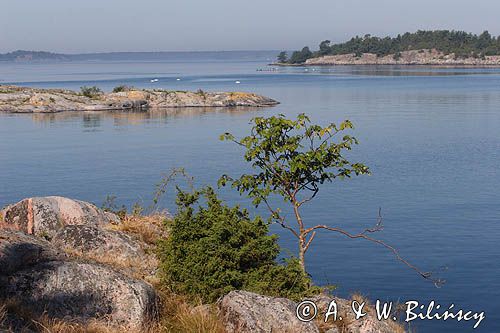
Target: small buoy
pixel 237 82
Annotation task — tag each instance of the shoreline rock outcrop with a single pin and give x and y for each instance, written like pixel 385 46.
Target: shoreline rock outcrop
pixel 16 99
pixel 80 275
pixel 44 216
pixel 414 57
pixel 96 241
pixel 44 281
pixel 246 312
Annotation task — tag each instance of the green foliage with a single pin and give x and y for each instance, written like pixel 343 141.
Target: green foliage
pixel 460 43
pixel 121 88
pixel 32 55
pixel 293 158
pixel 292 155
pixel 301 56
pixel 324 47
pixel 213 249
pixel 282 57
pixel 90 92
pixel 286 280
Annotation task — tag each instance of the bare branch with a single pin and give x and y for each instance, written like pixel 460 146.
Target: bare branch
pixel 379 226
pixel 161 187
pixel 309 198
pixel 280 220
pixel 309 241
pixel 425 275
pixel 237 142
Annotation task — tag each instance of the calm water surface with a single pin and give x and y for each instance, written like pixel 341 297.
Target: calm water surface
pixel 430 136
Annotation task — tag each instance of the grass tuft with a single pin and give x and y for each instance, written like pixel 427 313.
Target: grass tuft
pixel 148 228
pixel 178 315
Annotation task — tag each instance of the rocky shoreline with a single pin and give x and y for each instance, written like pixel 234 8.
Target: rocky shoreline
pixel 68 266
pixel 16 99
pixel 407 58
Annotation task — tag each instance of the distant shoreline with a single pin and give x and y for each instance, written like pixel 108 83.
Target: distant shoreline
pixel 42 56
pixel 387 65
pixel 423 57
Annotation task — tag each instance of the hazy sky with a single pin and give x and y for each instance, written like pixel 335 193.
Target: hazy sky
pixel 75 26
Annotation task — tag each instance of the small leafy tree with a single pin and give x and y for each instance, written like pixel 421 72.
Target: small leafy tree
pixel 299 57
pixel 292 159
pixel 282 57
pixel 213 249
pixel 324 47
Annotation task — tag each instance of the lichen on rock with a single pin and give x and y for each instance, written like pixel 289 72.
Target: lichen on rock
pixel 43 280
pixel 44 216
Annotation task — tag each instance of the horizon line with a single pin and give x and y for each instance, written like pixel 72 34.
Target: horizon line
pixel 110 52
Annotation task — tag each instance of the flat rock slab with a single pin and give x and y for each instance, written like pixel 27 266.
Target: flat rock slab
pixel 19 251
pixel 44 216
pixel 93 241
pixel 42 280
pixel 243 312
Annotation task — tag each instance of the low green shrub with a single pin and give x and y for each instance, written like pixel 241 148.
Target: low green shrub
pixel 90 92
pixel 121 88
pixel 213 248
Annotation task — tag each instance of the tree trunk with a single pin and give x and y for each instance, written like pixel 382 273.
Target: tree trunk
pixel 302 236
pixel 302 253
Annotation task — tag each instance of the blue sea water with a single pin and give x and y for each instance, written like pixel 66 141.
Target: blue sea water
pixel 431 137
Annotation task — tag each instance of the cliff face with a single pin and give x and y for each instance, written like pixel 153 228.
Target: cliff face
pixel 414 57
pixel 29 100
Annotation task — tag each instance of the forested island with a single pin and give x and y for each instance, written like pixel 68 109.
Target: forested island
pixel 439 47
pixel 22 55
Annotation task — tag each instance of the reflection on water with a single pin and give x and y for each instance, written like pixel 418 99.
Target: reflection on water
pixel 390 70
pixel 94 119
pixel 91 121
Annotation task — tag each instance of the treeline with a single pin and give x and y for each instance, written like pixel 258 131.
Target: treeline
pixel 460 43
pixel 31 55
